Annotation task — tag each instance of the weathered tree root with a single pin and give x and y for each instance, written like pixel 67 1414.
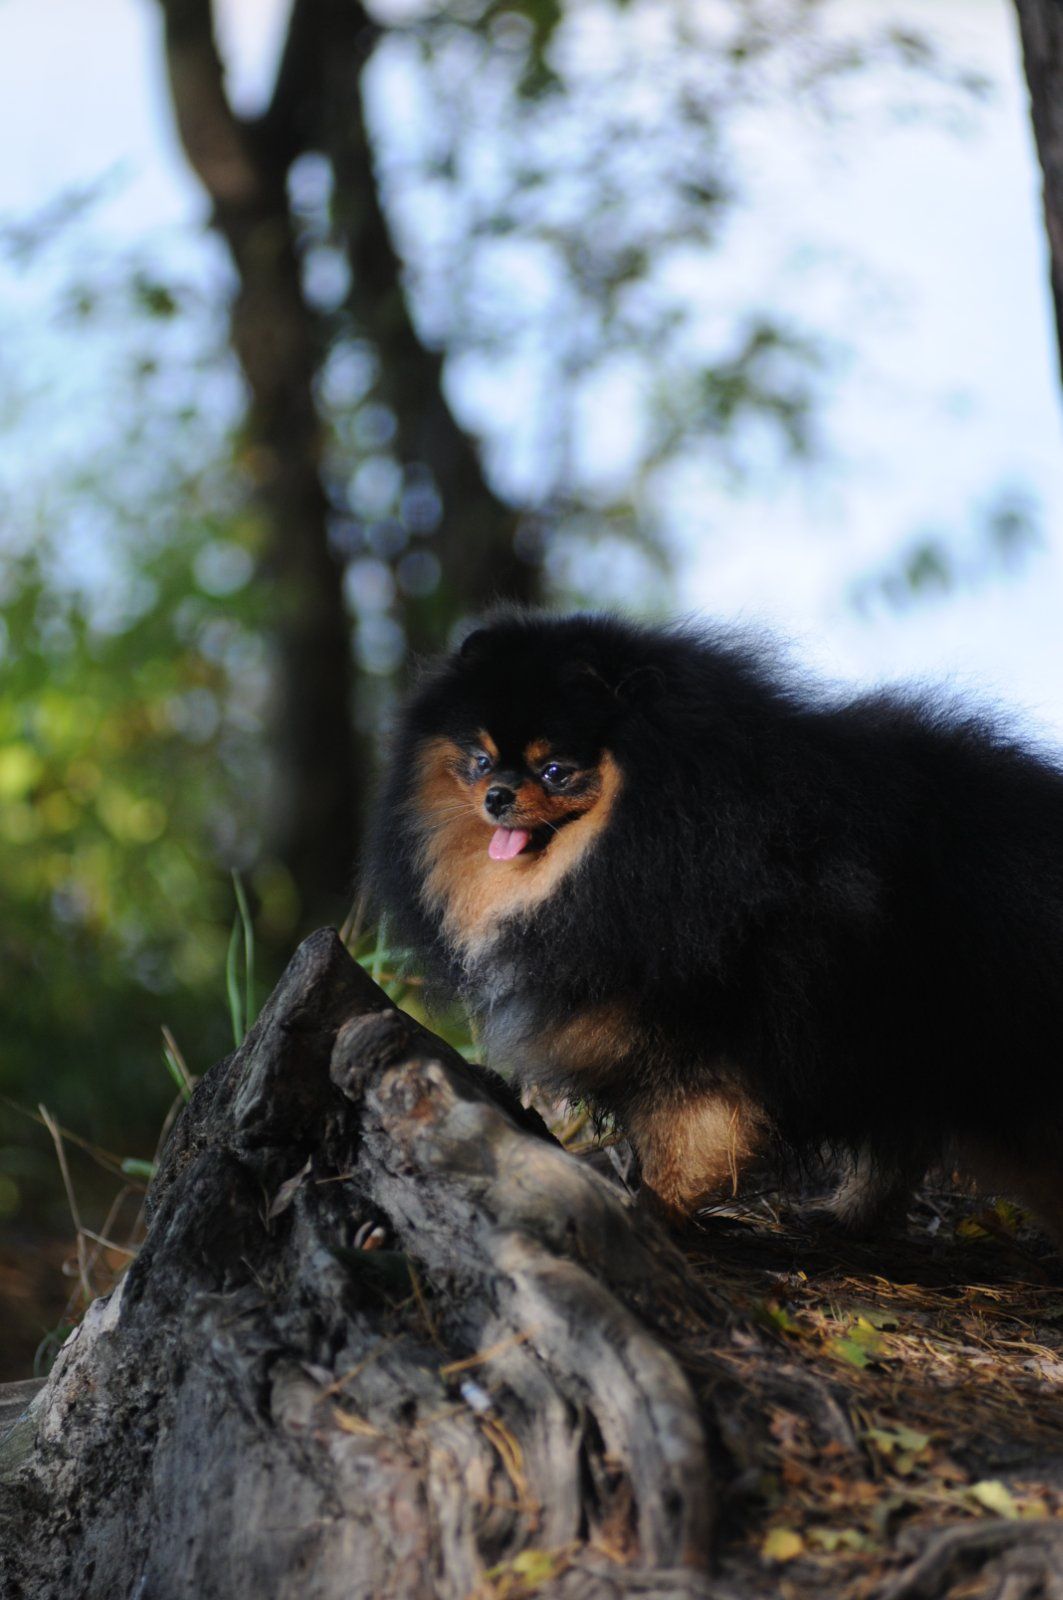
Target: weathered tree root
pixel 1012 1561
pixel 267 1408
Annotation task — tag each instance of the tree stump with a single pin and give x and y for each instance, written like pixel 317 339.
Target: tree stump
pixel 268 1406
pixel 386 1337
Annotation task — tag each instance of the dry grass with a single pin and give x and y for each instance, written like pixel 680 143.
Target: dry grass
pixel 864 1391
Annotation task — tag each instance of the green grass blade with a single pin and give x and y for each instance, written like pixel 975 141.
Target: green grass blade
pixel 232 984
pixel 176 1074
pixel 248 929
pixel 138 1169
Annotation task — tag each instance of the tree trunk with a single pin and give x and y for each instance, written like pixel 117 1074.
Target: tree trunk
pixel 1041 30
pixel 314 799
pixel 281 340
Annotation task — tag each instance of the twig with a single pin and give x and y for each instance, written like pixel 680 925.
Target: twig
pixel 354 922
pixel 103 1237
pixel 422 1305
pixel 176 1062
pixel 359 1367
pixel 103 1158
pixel 108 1244
pixel 71 1200
pixel 481 1356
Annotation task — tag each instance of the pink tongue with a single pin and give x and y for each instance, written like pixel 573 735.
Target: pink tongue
pixel 507 843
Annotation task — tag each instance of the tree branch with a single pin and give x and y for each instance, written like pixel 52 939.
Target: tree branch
pixel 319 102
pixel 213 137
pixel 1041 31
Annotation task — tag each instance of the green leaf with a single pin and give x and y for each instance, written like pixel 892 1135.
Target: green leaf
pixel 138 1169
pixel 884 1320
pixel 848 1350
pixel 776 1317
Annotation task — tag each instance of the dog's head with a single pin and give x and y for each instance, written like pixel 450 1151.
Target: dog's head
pixel 514 739
pixel 507 771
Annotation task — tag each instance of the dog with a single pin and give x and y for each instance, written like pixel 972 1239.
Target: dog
pixel 734 912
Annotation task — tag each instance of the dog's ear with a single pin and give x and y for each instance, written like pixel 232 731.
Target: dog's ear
pixel 472 646
pixel 642 686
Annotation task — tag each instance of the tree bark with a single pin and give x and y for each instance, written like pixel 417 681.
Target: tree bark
pixel 265 1407
pixel 1041 31
pixel 386 1338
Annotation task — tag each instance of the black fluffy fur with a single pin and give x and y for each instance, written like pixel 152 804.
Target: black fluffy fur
pixel 851 907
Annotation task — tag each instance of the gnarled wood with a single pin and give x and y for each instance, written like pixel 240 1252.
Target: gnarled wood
pixel 266 1408
pixel 386 1338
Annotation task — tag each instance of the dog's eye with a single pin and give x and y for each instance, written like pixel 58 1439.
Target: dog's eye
pixel 482 764
pixel 556 775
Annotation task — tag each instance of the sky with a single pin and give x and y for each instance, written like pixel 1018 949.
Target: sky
pixel 916 252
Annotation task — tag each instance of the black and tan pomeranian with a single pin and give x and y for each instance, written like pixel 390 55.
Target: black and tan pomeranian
pixel 731 911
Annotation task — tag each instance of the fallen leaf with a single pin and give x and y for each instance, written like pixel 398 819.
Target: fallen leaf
pixel 535 1566
pixel 902 1447
pixel 782 1544
pixel 777 1317
pixel 994 1496
pixel 848 1350
pixel 1008 1216
pixel 883 1320
pixel 528 1571
pixel 832 1539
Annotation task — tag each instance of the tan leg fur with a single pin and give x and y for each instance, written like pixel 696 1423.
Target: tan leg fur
pixel 695 1149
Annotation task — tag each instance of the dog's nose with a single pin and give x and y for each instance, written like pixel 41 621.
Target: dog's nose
pixel 498 799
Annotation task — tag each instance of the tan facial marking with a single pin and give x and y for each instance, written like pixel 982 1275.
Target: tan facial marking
pixel 537 752
pixel 474 892
pixel 487 744
pixel 695 1149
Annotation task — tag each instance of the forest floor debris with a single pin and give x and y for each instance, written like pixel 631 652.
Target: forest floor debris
pixel 869 1394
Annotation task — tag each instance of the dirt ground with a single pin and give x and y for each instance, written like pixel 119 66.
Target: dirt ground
pixel 868 1394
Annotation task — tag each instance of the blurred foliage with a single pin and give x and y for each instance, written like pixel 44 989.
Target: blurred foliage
pixel 125 751
pixel 132 676
pixel 935 564
pixel 561 180
pixel 395 970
